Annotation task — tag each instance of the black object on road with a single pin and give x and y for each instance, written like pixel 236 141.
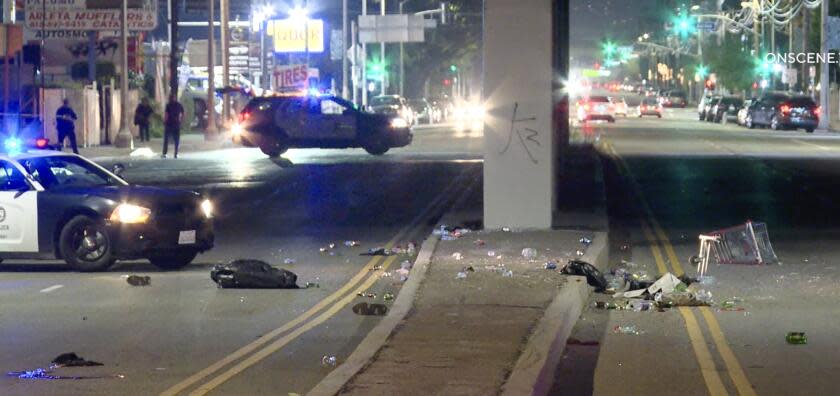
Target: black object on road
pixel 252 274
pixel 380 251
pixel 370 309
pixel 71 359
pixel 594 277
pixel 137 280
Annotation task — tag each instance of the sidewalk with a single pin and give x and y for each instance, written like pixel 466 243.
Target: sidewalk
pixel 484 319
pixel 190 143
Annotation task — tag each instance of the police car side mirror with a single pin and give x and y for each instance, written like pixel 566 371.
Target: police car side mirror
pixel 118 169
pixel 22 189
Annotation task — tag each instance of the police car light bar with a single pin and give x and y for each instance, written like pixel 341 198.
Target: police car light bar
pixel 12 144
pixel 42 143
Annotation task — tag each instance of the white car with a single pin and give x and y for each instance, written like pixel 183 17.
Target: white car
pixel 596 108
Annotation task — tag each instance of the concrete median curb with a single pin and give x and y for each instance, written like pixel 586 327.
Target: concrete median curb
pixel 376 338
pixel 534 371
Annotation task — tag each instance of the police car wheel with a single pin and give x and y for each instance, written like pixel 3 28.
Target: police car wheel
pixel 172 261
pixel 84 244
pixel 376 145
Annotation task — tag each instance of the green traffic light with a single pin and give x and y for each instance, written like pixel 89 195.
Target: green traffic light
pixel 702 71
pixel 453 68
pixel 609 48
pixel 684 24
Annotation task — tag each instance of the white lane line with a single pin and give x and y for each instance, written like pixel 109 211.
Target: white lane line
pixel 51 288
pixel 811 144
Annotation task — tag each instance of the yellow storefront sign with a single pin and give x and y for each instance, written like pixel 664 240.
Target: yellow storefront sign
pixel 289 35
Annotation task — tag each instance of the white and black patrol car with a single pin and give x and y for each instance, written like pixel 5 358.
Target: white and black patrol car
pixel 60 205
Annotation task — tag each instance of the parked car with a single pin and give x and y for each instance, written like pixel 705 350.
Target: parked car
pixel 392 105
pixel 596 108
pixel 742 113
pixel 727 109
pixel 701 107
pixel 781 111
pixel 422 110
pixel 649 106
pixel 674 98
pixel 709 110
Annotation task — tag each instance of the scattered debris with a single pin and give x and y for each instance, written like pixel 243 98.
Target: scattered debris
pixel 491 253
pixel 505 229
pixel 479 242
pixel 529 253
pixel 351 243
pixel 368 295
pixel 580 253
pixel 743 244
pixel 468 268
pixel 366 309
pixel 507 274
pixel 376 268
pixel 586 241
pixel 403 273
pixel 592 274
pixel 252 274
pixel 388 296
pixel 70 359
pixel 461 275
pixel 406 265
pixel 575 341
pixel 551 265
pixel 457 256
pixel 678 299
pixel 137 280
pixel 385 275
pixel 377 251
pixel 624 247
pixel 796 338
pixel 328 361
pixel 608 305
pixel 289 261
pixel 627 329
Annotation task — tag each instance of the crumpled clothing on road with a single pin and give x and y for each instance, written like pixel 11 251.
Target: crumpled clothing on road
pixel 380 251
pixel 71 359
pixel 594 277
pixel 252 274
pixel 370 309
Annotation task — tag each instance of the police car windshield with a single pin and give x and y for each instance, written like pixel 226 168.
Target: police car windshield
pixel 61 171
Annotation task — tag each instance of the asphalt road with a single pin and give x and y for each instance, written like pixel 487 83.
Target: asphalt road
pixel 669 180
pixel 168 336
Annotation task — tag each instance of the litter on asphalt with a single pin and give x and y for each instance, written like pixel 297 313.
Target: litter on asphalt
pixel 138 280
pixel 252 274
pixel 594 277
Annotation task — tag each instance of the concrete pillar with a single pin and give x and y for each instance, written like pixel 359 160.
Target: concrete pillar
pixel 519 140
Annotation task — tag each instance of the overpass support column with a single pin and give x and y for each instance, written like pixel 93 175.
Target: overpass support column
pixel 525 58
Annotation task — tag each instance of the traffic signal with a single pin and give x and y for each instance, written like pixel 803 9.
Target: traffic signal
pixel 453 68
pixel 447 82
pixel 702 71
pixel 375 70
pixel 684 24
pixel 608 48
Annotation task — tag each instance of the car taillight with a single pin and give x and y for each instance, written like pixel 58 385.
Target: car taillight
pixel 41 142
pixel 817 110
pixel 785 109
pixel 243 116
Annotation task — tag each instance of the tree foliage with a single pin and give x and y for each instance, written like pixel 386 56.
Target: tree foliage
pixel 733 65
pixel 457 42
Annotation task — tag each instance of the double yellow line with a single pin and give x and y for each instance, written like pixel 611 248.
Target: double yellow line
pixel 659 241
pixel 268 344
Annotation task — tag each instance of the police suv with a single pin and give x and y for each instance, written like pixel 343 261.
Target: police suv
pixel 277 123
pixel 60 205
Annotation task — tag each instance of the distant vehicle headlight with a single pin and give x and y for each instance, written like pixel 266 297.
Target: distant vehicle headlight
pixel 236 129
pixel 397 123
pixel 207 208
pixel 127 213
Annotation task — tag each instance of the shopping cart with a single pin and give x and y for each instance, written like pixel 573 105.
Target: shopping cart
pixel 743 244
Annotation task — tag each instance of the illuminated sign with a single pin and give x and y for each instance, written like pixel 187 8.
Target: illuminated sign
pixel 289 35
pixel 290 76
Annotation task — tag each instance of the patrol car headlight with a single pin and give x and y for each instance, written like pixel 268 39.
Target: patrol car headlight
pixel 399 123
pixel 130 214
pixel 207 208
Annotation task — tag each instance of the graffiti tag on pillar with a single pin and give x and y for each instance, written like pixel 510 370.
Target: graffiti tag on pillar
pixel 525 135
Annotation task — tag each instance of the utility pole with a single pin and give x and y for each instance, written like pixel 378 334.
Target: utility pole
pixel 224 37
pixel 174 17
pixel 402 57
pixel 344 85
pixel 211 133
pixel 824 83
pixel 355 61
pixel 364 63
pixel 124 138
pixel 382 54
pixel 806 31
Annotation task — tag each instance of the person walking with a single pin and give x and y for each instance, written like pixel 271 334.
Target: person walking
pixel 65 119
pixel 141 118
pixel 172 124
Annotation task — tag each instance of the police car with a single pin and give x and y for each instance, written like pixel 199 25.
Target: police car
pixel 277 123
pixel 60 205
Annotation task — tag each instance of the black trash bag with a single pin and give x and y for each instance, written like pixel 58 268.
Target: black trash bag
pixel 252 274
pixel 370 309
pixel 594 277
pixel 71 359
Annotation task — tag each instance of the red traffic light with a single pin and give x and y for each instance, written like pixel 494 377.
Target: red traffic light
pixel 447 82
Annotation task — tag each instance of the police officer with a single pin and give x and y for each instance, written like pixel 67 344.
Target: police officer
pixel 64 123
pixel 141 118
pixel 173 116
